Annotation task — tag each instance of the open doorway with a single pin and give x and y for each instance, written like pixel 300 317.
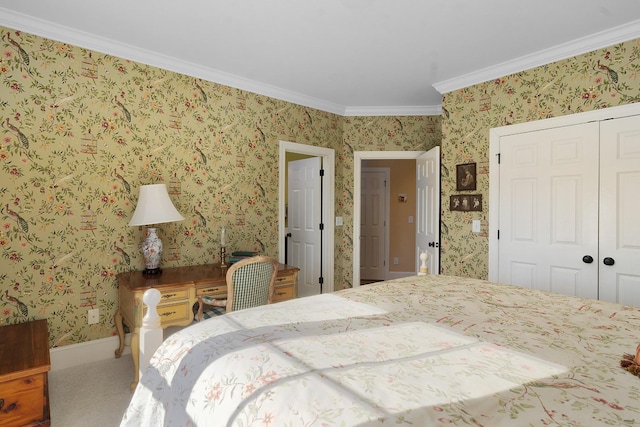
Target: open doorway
pixel 427 208
pixel 327 157
pixel 387 226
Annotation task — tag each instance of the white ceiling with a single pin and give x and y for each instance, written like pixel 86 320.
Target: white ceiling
pixel 349 57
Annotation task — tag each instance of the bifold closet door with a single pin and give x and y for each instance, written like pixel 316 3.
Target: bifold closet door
pixel 619 260
pixel 549 210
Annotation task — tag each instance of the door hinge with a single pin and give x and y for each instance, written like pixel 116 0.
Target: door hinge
pixel 498 157
pixel 498 234
pixel 321 172
pixel 321 280
pixel 321 226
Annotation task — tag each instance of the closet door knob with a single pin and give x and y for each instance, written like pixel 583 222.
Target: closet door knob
pixel 608 261
pixel 587 259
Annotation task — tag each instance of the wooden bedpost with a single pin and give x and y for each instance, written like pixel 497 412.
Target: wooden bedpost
pixel 151 331
pixel 424 270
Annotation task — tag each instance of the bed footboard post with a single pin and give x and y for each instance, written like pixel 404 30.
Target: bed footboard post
pixel 151 330
pixel 424 270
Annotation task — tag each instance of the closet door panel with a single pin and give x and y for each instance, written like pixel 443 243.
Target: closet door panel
pixel 549 209
pixel 619 210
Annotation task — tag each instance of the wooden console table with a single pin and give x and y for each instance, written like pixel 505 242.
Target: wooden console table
pixel 24 382
pixel 180 288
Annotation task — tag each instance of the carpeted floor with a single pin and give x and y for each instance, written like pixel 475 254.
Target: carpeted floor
pixel 93 394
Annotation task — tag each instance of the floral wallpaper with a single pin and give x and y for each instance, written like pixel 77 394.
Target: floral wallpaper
pixel 81 131
pixel 600 79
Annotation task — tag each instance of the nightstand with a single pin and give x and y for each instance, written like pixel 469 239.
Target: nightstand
pixel 24 381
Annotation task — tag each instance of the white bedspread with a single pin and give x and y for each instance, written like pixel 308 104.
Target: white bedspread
pixel 419 351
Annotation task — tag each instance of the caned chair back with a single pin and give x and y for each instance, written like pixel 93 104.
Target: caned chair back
pixel 250 282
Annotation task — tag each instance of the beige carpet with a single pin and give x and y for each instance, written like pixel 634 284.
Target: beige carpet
pixel 95 394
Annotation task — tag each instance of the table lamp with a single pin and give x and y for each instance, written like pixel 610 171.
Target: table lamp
pixel 154 207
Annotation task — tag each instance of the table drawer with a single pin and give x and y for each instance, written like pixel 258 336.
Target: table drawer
pixel 173 314
pixel 282 293
pixel 285 279
pixel 173 295
pixel 23 401
pixel 213 291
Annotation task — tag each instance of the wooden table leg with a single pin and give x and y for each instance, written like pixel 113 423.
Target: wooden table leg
pixel 119 327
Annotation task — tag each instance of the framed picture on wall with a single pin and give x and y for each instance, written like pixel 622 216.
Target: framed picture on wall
pixel 466 177
pixel 466 203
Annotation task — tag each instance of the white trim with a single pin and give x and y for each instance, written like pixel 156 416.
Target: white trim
pixel 576 47
pixel 72 355
pixel 52 31
pixel 49 30
pixel 420 110
pixel 358 157
pixel 328 204
pixel 494 170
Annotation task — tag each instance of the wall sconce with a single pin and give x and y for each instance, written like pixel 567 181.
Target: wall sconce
pixel 154 207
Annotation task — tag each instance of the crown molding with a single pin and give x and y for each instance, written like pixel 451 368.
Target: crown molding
pixel 65 34
pixel 579 46
pixel 420 110
pixel 49 30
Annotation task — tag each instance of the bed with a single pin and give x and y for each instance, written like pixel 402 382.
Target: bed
pixel 417 351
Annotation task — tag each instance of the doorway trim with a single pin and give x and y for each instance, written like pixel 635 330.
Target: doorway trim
pixel 328 204
pixel 494 167
pixel 358 157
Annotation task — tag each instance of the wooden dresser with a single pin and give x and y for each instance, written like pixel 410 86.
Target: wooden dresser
pixel 180 288
pixel 24 367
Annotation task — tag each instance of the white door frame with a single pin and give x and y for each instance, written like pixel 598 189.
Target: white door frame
pixel 328 204
pixel 494 170
pixel 358 157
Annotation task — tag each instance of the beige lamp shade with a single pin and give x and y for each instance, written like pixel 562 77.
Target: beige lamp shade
pixel 154 206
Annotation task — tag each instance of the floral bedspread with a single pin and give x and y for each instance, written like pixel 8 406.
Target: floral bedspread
pixel 418 351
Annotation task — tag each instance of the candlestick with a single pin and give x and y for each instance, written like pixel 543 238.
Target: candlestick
pixel 223 255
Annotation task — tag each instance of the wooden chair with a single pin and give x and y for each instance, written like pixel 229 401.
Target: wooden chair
pixel 250 283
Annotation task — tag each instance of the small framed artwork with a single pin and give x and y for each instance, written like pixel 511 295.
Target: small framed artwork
pixel 466 177
pixel 466 203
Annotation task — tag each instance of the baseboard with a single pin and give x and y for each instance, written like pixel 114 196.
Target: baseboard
pixel 72 355
pixel 399 274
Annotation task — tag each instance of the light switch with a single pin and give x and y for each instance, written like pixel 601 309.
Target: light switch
pixel 338 220
pixel 475 226
pixel 410 220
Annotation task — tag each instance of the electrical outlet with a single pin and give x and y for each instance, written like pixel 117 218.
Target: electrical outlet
pixel 93 316
pixel 396 261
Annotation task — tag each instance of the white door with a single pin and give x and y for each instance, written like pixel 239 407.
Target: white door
pixel 549 210
pixel 304 197
pixel 373 223
pixel 619 210
pixel 428 209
